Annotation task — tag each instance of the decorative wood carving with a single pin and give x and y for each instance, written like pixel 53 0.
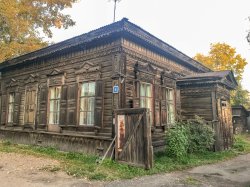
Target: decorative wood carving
pixel 166 64
pixel 31 79
pixel 12 83
pixel 56 77
pixel 88 71
pixel 118 65
pixel 55 72
pixel 145 72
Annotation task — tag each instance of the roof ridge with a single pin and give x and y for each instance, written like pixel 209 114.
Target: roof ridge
pixel 104 31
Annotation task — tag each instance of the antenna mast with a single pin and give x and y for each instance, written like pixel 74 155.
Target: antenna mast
pixel 115 1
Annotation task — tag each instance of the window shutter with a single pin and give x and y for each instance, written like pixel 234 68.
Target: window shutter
pixel 136 99
pixel 63 105
pixel 163 107
pixel 157 104
pixel 17 103
pixel 99 93
pixel 3 109
pixel 43 106
pixel 72 93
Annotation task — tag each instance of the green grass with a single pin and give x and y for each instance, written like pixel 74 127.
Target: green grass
pixel 81 165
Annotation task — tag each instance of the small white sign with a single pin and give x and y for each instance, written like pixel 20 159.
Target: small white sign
pixel 116 89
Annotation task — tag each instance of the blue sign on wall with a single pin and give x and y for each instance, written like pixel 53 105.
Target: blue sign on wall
pixel 116 89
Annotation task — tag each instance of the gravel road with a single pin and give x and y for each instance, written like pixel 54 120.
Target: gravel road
pixel 28 171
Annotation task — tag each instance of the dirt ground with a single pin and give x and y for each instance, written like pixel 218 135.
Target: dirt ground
pixel 22 170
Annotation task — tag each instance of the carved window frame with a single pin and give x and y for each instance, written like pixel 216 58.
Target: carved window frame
pixel 169 103
pixel 146 99
pixel 10 116
pixel 55 79
pixel 87 97
pixel 56 101
pixel 85 73
pixel 88 72
pixel 12 87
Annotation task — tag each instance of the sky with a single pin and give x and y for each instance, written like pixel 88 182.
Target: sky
pixel 190 26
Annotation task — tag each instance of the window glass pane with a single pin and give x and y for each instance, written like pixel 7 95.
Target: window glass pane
pixel 11 98
pixel 92 89
pixel 142 90
pixel 52 93
pixel 58 92
pixel 171 95
pixel 81 104
pixel 10 117
pixel 11 107
pixel 57 105
pixel 142 103
pixel 87 103
pixel 57 114
pixel 84 104
pixel 91 104
pixel 84 89
pixel 51 106
pixel 148 90
pixel 148 104
pixel 167 94
pixel 171 113
pixel 171 108
pixel 83 118
pixel 90 118
pixel 51 118
pixel 54 105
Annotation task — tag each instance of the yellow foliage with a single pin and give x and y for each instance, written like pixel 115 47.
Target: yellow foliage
pixel 21 21
pixel 223 57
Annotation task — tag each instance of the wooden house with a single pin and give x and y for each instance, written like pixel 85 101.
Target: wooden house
pixel 240 119
pixel 65 95
pixel 208 96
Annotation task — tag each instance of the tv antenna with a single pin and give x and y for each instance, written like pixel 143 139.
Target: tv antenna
pixel 115 2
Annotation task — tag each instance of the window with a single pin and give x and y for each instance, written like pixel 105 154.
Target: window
pixel 54 104
pixel 87 104
pixel 170 106
pixel 11 105
pixel 146 99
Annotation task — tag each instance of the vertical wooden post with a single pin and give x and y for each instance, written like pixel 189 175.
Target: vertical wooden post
pixel 147 139
pixel 214 105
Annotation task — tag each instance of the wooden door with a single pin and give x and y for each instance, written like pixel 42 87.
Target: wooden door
pixel 226 119
pixel 30 107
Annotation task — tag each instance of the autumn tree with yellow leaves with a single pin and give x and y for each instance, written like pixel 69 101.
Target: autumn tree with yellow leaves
pixel 23 21
pixel 223 57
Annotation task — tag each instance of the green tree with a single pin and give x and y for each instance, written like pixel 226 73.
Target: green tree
pixel 223 57
pixel 23 21
pixel 240 97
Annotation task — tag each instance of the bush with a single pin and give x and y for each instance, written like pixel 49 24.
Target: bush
pixel 201 136
pixel 177 141
pixel 193 136
pixel 239 144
